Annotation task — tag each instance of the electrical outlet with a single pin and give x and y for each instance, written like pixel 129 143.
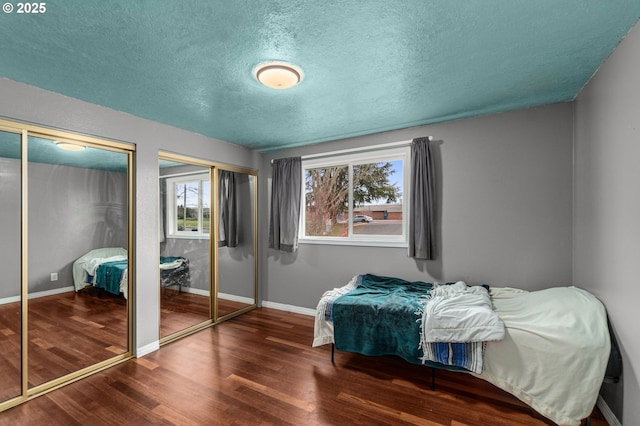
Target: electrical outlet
pixel 54 276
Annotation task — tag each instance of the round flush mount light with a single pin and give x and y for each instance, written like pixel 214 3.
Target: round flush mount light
pixel 69 146
pixel 278 75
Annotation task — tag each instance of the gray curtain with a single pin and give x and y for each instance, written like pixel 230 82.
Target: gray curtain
pixel 227 209
pixel 286 189
pixel 422 209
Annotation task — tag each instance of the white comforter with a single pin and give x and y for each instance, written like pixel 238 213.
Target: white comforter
pixel 554 353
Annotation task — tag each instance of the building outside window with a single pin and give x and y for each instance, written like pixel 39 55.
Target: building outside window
pixel 356 199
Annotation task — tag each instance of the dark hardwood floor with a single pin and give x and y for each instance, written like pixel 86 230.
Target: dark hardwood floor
pixel 180 310
pixel 10 350
pixel 73 330
pixel 69 331
pixel 260 369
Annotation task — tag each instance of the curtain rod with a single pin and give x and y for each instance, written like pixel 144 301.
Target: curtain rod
pixel 360 149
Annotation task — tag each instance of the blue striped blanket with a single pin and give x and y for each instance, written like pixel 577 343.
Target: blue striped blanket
pixel 379 315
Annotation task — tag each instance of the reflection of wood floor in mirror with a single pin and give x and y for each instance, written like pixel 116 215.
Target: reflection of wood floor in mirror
pixel 10 366
pixel 229 306
pixel 260 368
pixel 69 331
pixel 180 310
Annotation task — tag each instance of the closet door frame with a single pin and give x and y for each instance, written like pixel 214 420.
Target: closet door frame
pixel 27 130
pixel 254 218
pixel 213 235
pixel 213 239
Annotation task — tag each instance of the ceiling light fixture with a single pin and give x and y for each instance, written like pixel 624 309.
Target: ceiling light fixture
pixel 278 75
pixel 69 146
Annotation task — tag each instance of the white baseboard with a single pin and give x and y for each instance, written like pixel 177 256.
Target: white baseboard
pixel 607 413
pixel 225 296
pixel 198 291
pixel 234 298
pixel 147 349
pixel 37 294
pixel 288 308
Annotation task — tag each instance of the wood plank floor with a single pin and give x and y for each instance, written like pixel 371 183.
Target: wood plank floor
pixel 10 350
pixel 180 310
pixel 73 330
pixel 69 331
pixel 259 369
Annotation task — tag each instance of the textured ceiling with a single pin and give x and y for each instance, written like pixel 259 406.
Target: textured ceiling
pixel 369 65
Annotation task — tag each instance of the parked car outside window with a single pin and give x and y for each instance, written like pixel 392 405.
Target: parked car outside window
pixel 362 218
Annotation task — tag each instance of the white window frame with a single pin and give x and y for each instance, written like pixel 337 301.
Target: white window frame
pixel 171 207
pixel 372 156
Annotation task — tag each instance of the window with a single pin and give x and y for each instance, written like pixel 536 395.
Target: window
pixel 356 199
pixel 188 206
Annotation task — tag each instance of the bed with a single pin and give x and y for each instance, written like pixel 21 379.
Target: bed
pixel 106 269
pixel 552 354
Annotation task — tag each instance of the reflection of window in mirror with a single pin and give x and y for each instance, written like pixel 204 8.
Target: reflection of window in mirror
pixel 185 247
pixel 188 210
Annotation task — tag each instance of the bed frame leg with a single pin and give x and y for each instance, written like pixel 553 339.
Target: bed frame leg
pixel 433 379
pixel 588 421
pixel 333 346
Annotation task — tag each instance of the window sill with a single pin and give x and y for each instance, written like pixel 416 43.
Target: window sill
pixel 361 243
pixel 187 237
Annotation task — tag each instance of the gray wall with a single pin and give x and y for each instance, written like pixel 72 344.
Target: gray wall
pixel 27 103
pixel 71 211
pixel 607 208
pixel 506 187
pixel 10 219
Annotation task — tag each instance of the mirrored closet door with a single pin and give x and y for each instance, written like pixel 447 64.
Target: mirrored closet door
pixel 10 265
pixel 236 247
pixel 185 217
pixel 78 252
pixel 207 233
pixel 65 222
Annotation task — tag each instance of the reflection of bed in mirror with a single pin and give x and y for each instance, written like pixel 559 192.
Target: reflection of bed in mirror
pixel 106 269
pixel 174 272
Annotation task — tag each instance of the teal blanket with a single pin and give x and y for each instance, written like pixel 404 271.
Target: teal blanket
pixel 382 315
pixel 379 317
pixel 109 275
pixel 169 259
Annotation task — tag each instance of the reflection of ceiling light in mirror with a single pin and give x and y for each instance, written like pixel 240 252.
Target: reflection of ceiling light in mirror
pixel 69 146
pixel 278 75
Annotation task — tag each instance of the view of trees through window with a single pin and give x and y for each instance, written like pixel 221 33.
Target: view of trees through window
pixel 192 206
pixel 377 192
